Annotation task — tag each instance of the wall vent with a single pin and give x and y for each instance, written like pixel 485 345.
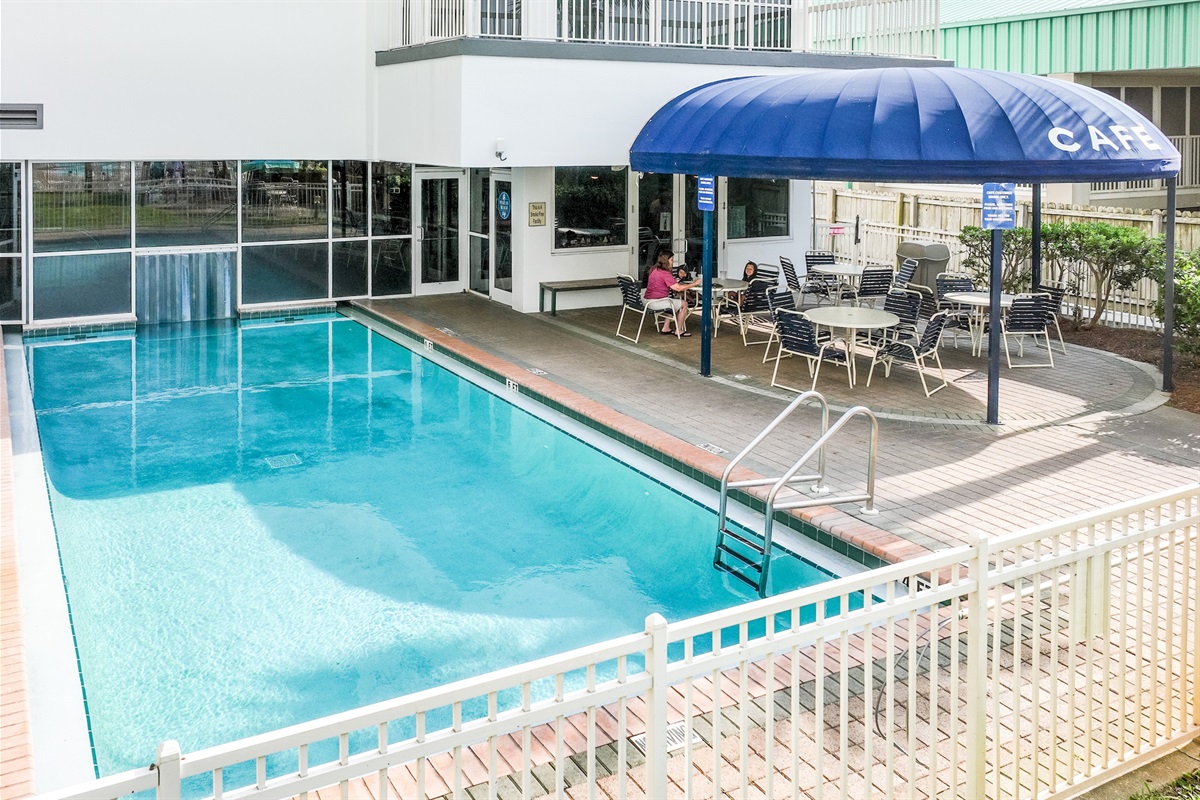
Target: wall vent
pixel 21 116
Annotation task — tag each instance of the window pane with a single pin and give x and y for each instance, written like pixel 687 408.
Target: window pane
pixel 589 206
pixel 349 198
pixel 80 206
pixel 10 208
pixel 479 200
pixel 349 269
pixel 758 207
pixel 81 286
pixel 284 200
pixel 285 272
pixel 1174 111
pixel 1141 100
pixel 391 198
pixel 391 270
pixel 186 202
pixel 1111 91
pixel 11 309
pixel 1194 112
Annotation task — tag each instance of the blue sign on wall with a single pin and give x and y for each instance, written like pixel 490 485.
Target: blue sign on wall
pixel 503 205
pixel 999 206
pixel 705 192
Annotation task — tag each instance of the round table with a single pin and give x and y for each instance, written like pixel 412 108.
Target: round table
pixel 851 272
pixel 720 287
pixel 979 302
pixel 852 319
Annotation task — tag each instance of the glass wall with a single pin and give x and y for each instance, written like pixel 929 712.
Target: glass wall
pixel 286 272
pixel 758 208
pixel 85 285
pixel 81 206
pixel 182 203
pixel 391 267
pixel 477 233
pixel 285 200
pixel 589 206
pixel 11 285
pixel 350 269
pixel 391 196
pixel 349 198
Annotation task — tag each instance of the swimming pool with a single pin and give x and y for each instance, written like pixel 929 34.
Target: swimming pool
pixel 263 523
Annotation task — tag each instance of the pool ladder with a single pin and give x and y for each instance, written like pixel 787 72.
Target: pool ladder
pixel 747 555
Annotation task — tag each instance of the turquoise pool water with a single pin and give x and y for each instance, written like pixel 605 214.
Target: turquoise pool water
pixel 260 524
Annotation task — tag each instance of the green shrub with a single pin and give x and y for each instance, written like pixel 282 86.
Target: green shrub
pixel 1187 294
pixel 1016 272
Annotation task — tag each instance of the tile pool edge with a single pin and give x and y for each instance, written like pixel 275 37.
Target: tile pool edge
pixel 60 742
pixel 831 527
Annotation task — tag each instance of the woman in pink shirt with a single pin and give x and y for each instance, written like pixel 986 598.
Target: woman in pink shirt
pixel 659 285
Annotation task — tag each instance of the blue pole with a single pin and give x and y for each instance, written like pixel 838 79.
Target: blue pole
pixel 993 393
pixel 1168 355
pixel 706 299
pixel 1037 237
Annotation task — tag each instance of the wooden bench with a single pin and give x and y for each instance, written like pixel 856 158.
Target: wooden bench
pixel 554 287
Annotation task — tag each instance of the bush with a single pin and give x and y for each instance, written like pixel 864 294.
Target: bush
pixel 1187 295
pixel 1016 271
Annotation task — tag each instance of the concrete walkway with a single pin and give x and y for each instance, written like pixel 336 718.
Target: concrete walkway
pixel 1088 433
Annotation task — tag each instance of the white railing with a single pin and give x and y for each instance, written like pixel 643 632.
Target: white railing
pixel 1026 666
pixel 897 27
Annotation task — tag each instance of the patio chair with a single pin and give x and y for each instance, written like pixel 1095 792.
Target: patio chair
pixel 875 282
pixel 829 284
pixel 631 300
pixel 1027 316
pixel 908 268
pixel 754 313
pixel 915 351
pixel 1056 291
pixel 804 286
pixel 905 304
pixel 960 318
pixel 798 337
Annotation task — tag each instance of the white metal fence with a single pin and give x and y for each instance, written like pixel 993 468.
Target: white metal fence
pixel 1027 666
pixel 898 27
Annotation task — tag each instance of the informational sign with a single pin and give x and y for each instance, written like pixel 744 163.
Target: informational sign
pixel 999 206
pixel 836 230
pixel 503 205
pixel 706 192
pixel 537 214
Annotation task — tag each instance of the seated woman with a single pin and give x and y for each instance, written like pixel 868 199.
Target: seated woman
pixel 661 283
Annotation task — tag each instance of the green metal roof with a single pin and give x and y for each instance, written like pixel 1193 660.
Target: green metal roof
pixel 1052 36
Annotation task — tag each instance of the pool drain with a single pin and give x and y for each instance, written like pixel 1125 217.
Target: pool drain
pixel 279 462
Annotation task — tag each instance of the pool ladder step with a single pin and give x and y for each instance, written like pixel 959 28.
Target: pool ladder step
pixel 725 551
pixel 754 569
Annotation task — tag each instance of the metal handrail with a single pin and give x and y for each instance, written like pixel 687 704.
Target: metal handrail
pixel 733 462
pixel 818 448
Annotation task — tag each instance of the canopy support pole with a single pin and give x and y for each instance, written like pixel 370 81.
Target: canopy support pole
pixel 1168 356
pixel 993 393
pixel 706 299
pixel 1037 236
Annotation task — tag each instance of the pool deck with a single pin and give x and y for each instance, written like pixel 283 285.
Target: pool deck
pixel 1091 432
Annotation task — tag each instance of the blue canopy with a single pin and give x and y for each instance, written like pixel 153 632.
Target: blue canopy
pixel 937 124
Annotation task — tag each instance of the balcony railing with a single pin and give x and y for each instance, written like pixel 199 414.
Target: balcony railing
pixel 896 27
pixel 1189 171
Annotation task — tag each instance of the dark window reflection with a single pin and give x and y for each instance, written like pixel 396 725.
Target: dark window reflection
pixel 589 206
pixel 285 272
pixel 391 267
pixel 81 285
pixel 1174 111
pixel 391 199
pixel 80 206
pixel 439 216
pixel 656 221
pixel 503 222
pixel 349 269
pixel 758 207
pixel 186 203
pixel 10 208
pixel 10 290
pixel 349 198
pixel 284 200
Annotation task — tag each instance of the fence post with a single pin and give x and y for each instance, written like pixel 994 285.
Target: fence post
pixel 170 771
pixel 976 671
pixel 656 707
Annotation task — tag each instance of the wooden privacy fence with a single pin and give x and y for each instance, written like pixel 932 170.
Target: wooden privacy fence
pixel 1029 666
pixel 888 218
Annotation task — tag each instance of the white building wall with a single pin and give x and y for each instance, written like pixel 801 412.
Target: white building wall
pixel 188 79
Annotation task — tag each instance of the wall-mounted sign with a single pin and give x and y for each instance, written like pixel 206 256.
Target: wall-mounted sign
pixel 537 214
pixel 999 206
pixel 706 192
pixel 503 205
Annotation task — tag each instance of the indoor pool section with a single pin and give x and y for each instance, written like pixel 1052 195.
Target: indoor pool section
pixel 267 522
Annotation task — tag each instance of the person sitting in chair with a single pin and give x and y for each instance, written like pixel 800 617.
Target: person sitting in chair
pixel 661 283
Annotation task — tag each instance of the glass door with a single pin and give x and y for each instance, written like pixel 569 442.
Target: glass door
pixel 478 238
pixel 668 217
pixel 438 233
pixel 502 207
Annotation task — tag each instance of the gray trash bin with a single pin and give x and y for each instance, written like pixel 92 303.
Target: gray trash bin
pixel 932 258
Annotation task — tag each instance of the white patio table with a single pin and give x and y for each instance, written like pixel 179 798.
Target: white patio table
pixel 851 319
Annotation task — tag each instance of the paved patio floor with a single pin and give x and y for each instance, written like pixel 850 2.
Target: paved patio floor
pixel 1090 432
